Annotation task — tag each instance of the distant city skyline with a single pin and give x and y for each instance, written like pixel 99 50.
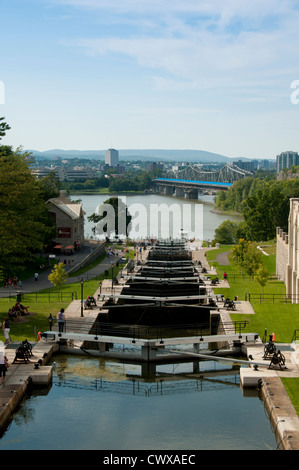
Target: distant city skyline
pixel 218 76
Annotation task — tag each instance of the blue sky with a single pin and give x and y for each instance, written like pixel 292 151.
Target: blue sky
pixel 170 74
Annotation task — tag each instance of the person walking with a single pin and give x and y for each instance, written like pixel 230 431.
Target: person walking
pixel 36 276
pixel 3 367
pixel 61 320
pixel 6 329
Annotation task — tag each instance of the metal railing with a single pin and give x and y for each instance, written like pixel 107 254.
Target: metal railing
pixel 42 296
pixel 273 298
pixel 151 332
pixel 295 337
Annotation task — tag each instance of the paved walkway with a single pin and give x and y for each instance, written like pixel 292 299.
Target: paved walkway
pixel 31 285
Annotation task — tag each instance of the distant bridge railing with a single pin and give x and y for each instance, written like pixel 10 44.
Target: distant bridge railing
pixel 192 183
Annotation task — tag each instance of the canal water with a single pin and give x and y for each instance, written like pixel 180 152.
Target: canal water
pixel 104 404
pixel 101 404
pixel 207 221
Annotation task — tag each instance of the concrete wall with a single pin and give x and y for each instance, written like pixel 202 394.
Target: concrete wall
pixel 282 250
pixel 287 266
pixel 292 281
pixel 97 252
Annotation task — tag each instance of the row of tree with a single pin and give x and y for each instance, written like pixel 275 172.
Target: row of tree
pixel 264 205
pixel 246 256
pixel 25 225
pixel 138 181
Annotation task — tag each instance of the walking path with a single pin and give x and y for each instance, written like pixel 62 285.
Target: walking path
pixel 31 285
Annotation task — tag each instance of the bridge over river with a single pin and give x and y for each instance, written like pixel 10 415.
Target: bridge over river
pixel 188 188
pixel 193 180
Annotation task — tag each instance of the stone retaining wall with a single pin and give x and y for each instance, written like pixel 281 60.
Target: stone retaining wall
pixel 282 247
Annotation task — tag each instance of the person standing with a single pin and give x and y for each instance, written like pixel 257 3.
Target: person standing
pixel 36 276
pixel 61 320
pixel 3 365
pixel 6 329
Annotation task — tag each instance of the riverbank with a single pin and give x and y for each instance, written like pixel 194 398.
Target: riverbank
pixel 106 193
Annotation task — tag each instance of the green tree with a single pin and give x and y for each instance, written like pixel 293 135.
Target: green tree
pixel 253 260
pixel 23 214
pixel 50 186
pixel 225 233
pixel 267 209
pixel 58 275
pixel 239 253
pixel 262 276
pixel 3 127
pixel 246 256
pixel 108 216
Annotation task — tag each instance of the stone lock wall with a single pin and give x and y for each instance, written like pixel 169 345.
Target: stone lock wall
pixel 281 254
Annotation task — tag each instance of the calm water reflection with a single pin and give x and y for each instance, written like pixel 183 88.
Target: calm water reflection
pixel 211 220
pixel 104 404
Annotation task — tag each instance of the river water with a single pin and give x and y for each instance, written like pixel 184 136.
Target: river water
pixel 102 404
pixel 105 404
pixel 200 225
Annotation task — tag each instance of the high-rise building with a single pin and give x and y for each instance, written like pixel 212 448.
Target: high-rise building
pixel 286 160
pixel 248 165
pixel 111 157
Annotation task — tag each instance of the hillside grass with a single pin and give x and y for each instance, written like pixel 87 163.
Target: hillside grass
pixel 292 387
pixel 270 314
pixel 278 317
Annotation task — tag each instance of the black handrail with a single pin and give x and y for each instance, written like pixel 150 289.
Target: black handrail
pixel 295 336
pixel 50 296
pixel 285 298
pixel 151 332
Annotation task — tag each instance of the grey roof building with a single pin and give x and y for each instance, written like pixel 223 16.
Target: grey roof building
pixel 69 220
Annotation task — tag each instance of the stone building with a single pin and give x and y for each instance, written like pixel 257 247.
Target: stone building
pixel 69 220
pixel 287 253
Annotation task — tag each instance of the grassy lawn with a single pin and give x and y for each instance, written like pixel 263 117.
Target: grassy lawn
pixel 292 387
pixel 280 317
pixel 45 302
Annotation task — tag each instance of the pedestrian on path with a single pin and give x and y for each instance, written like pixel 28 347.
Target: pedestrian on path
pixel 36 276
pixel 6 329
pixel 61 320
pixel 3 367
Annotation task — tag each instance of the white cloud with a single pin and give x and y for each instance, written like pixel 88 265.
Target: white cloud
pixel 199 41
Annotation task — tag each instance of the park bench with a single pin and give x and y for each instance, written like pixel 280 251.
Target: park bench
pixel 23 352
pixel 89 303
pixel 229 304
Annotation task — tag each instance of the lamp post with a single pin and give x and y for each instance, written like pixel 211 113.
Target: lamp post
pixel 112 276
pixel 82 283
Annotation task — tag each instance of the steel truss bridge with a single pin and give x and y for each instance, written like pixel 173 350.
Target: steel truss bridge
pixel 187 188
pixel 192 180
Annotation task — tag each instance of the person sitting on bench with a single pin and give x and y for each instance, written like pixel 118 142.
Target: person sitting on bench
pixel 12 314
pixel 20 309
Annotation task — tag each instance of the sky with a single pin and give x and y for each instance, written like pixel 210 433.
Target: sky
pixel 214 75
